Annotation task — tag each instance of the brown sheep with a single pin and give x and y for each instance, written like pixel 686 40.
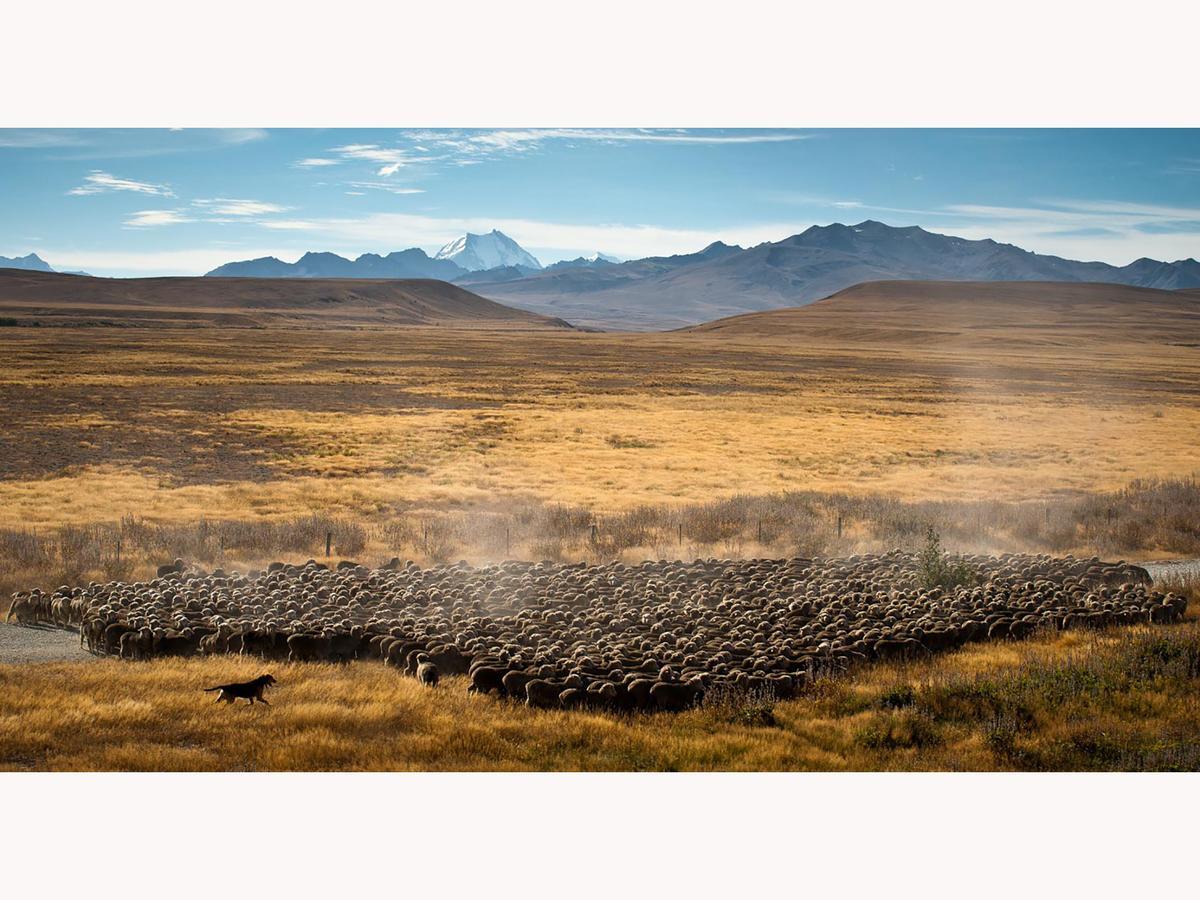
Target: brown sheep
pixel 427 672
pixel 514 683
pixel 307 647
pixel 671 696
pixel 485 679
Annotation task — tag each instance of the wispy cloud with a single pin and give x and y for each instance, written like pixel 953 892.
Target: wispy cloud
pixel 519 139
pixel 33 140
pixel 225 207
pixel 1184 167
pixel 465 148
pixel 98 182
pixel 392 159
pixel 386 186
pixel 153 218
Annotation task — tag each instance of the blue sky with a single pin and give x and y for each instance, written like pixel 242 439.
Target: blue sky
pixel 143 202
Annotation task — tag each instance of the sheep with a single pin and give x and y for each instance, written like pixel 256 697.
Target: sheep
pixel 515 681
pixel 307 647
pixel 610 632
pixel 674 697
pixel 427 672
pixel 485 679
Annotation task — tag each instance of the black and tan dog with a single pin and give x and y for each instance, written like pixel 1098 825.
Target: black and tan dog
pixel 248 690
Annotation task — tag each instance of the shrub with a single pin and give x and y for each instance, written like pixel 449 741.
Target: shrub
pixel 936 569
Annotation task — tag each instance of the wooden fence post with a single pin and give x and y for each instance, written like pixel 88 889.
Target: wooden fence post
pixel 839 525
pixel 328 542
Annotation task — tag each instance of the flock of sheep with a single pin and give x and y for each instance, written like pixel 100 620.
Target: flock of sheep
pixel 659 635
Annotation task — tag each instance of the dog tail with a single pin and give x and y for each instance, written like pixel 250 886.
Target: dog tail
pixel 217 688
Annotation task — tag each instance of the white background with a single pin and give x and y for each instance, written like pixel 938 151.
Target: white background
pixel 468 63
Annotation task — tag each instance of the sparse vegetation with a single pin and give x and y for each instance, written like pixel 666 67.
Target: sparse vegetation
pixel 1146 519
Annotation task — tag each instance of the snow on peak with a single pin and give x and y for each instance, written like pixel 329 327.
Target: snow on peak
pixel 477 252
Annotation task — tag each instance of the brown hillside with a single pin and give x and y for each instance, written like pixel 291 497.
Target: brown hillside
pixel 53 299
pixel 979 314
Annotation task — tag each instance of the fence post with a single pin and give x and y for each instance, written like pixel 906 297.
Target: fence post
pixel 594 527
pixel 839 525
pixel 118 551
pixel 760 530
pixel 680 534
pixel 328 542
pixel 506 541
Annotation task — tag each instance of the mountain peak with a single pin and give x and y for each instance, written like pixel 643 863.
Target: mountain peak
pixel 30 261
pixel 479 252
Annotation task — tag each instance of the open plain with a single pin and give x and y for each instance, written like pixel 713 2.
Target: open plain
pixel 1007 422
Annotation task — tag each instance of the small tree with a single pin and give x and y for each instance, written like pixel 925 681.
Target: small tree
pixel 936 569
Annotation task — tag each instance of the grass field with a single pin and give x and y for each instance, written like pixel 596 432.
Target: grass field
pixel 1126 699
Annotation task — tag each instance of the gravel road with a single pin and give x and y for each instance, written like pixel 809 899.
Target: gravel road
pixel 1166 568
pixel 29 645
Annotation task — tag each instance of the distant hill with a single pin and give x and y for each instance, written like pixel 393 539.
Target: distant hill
pixel 498 274
pixel 28 297
pixel 723 280
pixel 989 314
pixel 596 260
pixel 478 252
pixel 412 263
pixel 31 262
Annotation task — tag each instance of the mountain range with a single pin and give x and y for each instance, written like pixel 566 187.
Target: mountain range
pixel 724 280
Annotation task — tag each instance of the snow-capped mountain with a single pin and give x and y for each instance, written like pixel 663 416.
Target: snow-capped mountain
pixel 476 252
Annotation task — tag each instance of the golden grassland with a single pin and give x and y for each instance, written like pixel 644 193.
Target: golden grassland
pixel 1124 699
pixel 175 425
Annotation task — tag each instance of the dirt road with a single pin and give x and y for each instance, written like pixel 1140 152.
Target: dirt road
pixel 42 644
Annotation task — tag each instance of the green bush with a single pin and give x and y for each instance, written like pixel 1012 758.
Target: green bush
pixel 936 569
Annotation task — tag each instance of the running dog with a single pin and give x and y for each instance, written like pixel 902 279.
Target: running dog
pixel 248 690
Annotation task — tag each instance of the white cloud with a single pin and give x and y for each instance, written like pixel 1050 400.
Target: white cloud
pixel 97 182
pixel 393 158
pixel 242 135
pixel 191 261
pixel 386 186
pixel 225 207
pixel 316 161
pixel 151 218
pixel 522 138
pixel 290 225
pixel 32 140
pixel 464 148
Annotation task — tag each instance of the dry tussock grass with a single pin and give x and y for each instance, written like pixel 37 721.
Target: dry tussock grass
pixel 1117 700
pixel 174 425
pixel 1147 519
